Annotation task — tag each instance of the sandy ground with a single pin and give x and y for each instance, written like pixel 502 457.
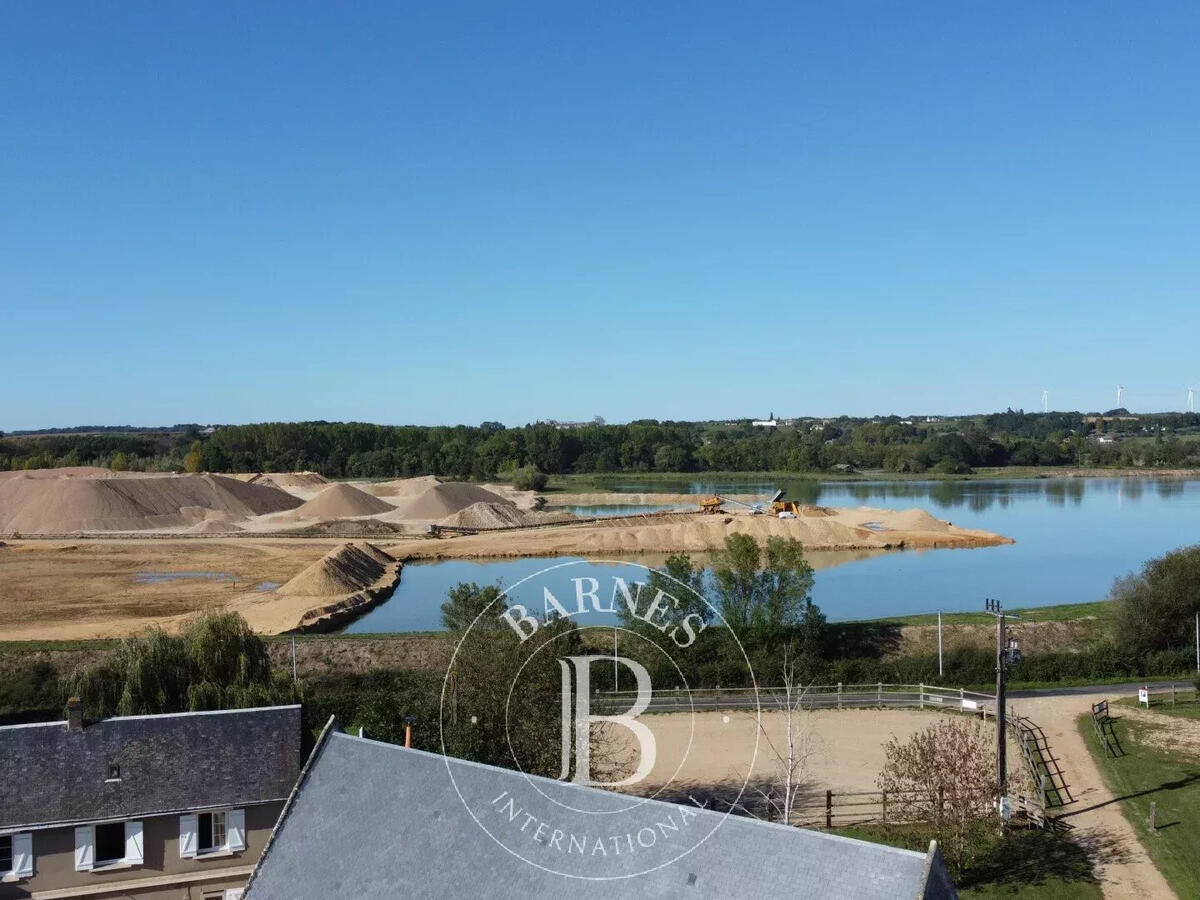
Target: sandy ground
pixel 53 590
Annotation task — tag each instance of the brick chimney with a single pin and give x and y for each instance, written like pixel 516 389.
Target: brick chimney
pixel 74 714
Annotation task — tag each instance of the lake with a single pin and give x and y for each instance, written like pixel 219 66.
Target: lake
pixel 1073 537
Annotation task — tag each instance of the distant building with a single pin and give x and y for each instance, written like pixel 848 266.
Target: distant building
pixel 150 807
pixel 376 821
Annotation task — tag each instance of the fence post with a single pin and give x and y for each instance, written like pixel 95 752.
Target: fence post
pixel 839 695
pixel 885 807
pixel 921 687
pixel 1172 693
pixel 829 809
pixel 879 695
pixel 1153 815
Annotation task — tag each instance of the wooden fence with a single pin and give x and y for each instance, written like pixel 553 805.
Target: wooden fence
pixel 1172 693
pixel 1102 722
pixel 844 809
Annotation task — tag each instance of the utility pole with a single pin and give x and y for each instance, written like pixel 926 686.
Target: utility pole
pixel 1006 652
pixel 940 672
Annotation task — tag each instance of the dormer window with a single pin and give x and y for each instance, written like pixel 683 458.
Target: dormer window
pixel 114 772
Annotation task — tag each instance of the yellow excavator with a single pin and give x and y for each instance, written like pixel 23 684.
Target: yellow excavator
pixel 714 503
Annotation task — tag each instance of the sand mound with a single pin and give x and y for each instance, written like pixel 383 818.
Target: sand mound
pixel 341 501
pixel 443 500
pixel 373 528
pixel 349 568
pixel 403 487
pixel 487 515
pixel 41 504
pixel 214 526
pixel 915 519
pixel 288 481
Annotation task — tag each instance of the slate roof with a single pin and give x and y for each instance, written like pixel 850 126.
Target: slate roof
pixel 169 763
pixel 375 821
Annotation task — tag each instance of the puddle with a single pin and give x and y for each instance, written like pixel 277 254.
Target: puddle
pixel 162 577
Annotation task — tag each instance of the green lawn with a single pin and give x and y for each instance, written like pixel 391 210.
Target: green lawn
pixel 1147 774
pixel 1063 612
pixel 1035 864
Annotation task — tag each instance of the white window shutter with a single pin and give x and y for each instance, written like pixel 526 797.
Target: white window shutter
pixel 235 829
pixel 22 854
pixel 188 826
pixel 85 840
pixel 133 843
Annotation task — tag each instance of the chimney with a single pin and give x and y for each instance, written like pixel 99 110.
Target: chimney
pixel 74 714
pixel 408 736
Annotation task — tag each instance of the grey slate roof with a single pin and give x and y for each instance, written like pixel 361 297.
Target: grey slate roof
pixel 168 763
pixel 375 821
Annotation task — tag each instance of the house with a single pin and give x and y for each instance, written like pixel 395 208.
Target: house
pixel 151 807
pixel 376 821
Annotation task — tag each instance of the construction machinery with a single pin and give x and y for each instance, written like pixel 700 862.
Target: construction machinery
pixel 785 509
pixel 714 503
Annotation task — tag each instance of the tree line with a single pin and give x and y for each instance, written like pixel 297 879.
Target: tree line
pixel 363 450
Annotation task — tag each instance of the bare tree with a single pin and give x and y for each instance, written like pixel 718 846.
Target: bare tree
pixel 782 790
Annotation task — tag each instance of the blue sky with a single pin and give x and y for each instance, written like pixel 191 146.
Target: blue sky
pixel 457 212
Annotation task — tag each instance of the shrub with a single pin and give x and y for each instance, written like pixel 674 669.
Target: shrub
pixel 528 478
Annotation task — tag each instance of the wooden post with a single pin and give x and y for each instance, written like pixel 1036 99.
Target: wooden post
pixel 879 695
pixel 1153 815
pixel 829 809
pixel 1172 693
pixel 839 695
pixel 921 687
pixel 885 807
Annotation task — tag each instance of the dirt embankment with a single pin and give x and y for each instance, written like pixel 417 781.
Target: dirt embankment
pixel 860 529
pixel 340 586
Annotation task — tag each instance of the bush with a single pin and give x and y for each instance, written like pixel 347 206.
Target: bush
pixel 1156 608
pixel 528 478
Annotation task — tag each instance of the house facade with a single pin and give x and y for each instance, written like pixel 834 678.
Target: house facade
pixel 169 806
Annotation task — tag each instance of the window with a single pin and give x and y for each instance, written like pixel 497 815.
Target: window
pixel 211 834
pixel 215 833
pixel 110 843
pixel 16 855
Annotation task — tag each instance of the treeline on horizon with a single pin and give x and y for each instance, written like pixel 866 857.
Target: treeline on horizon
pixel 361 450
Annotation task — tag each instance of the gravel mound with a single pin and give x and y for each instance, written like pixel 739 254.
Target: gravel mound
pixel 41 504
pixel 342 501
pixel 442 500
pixel 346 570
pixel 487 515
pixel 404 487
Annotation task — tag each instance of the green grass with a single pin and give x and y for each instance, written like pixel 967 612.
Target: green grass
pixel 1186 706
pixel 1063 612
pixel 1035 864
pixel 1147 774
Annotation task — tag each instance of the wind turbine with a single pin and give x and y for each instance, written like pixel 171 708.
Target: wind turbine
pixel 1120 394
pixel 1045 401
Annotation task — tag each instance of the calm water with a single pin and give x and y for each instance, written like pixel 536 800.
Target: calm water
pixel 1073 537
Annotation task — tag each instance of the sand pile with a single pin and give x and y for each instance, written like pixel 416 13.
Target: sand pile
pixel 404 487
pixel 214 526
pixel 289 481
pixel 443 500
pixel 346 570
pixel 41 504
pixel 487 515
pixel 341 501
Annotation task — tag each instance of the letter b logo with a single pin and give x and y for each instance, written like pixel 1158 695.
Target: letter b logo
pixel 579 724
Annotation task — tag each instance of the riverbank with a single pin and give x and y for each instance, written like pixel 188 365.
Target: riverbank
pixel 604 482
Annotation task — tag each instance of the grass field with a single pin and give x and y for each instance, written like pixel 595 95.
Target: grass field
pixel 1064 612
pixel 1150 773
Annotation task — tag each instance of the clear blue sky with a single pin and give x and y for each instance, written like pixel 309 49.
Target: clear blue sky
pixel 445 212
